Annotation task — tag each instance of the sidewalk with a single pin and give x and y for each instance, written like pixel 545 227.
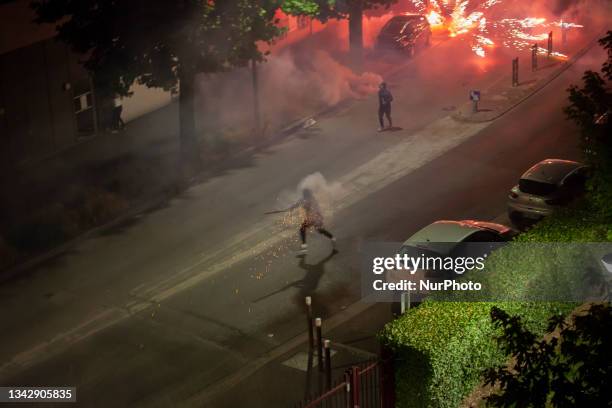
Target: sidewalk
pixel 502 96
pixel 49 203
pixel 285 378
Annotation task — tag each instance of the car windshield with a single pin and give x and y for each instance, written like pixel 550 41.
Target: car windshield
pixel 536 187
pixel 429 249
pixel 395 26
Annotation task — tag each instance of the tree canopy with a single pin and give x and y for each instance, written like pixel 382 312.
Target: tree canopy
pixel 162 43
pixel 350 9
pixel 570 367
pixel 590 107
pixel 154 41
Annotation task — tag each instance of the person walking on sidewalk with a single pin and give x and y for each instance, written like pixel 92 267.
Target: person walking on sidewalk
pixel 312 218
pixel 384 106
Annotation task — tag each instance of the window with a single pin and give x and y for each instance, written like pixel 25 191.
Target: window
pixel 83 103
pixel 536 187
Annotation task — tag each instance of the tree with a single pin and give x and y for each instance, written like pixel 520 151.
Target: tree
pixel 590 107
pixel 162 43
pixel 351 9
pixel 569 367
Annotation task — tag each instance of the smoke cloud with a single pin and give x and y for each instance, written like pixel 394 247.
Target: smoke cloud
pixel 326 193
pixel 292 85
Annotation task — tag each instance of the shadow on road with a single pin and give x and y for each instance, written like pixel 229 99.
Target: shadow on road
pixel 309 283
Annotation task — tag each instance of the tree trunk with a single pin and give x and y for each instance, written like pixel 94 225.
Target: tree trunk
pixel 189 147
pixel 356 34
pixel 256 109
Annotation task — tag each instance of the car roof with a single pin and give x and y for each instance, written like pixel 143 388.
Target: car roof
pixel 408 17
pixel 551 171
pixel 453 231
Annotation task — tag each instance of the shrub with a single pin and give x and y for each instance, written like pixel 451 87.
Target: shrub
pixel 442 348
pixel 100 206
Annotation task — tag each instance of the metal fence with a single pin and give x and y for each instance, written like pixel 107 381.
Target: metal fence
pixel 363 386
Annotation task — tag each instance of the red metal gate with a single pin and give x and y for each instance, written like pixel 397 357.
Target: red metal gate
pixel 369 385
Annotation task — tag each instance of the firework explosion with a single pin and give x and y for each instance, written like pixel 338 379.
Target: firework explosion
pixel 453 18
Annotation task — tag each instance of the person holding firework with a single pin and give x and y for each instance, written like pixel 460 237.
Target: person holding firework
pixel 312 218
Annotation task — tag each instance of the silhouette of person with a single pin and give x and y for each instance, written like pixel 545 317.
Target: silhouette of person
pixel 312 218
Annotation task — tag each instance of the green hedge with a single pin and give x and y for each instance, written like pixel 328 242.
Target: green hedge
pixel 442 348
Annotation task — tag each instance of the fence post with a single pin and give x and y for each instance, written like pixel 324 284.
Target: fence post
pixel 348 382
pixel 387 377
pixel 328 366
pixel 534 57
pixel 319 343
pixel 308 301
pixel 355 387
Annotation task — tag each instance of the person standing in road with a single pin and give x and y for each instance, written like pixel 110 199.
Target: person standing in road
pixel 117 122
pixel 384 106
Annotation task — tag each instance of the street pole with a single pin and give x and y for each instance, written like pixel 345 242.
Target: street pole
pixel 308 301
pixel 328 367
pixel 534 57
pixel 515 72
pixel 319 343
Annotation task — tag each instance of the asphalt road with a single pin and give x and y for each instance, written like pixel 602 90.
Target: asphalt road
pixel 155 310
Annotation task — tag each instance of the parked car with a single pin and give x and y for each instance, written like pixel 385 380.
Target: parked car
pixel 406 32
pixel 462 231
pixel 548 185
pixel 443 239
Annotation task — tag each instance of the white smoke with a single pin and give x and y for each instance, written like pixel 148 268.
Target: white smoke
pixel 291 86
pixel 326 193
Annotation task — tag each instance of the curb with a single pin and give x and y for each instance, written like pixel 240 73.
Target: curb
pixel 541 84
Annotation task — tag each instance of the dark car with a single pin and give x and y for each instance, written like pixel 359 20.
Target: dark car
pixel 406 32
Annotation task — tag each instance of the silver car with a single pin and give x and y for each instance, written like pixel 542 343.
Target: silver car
pixel 443 238
pixel 548 185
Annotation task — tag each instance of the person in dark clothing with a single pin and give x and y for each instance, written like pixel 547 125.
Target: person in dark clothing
pixel 384 106
pixel 312 217
pixel 117 121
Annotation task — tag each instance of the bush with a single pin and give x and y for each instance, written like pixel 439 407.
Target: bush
pixel 570 367
pixel 581 223
pixel 442 348
pixel 100 206
pixel 57 223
